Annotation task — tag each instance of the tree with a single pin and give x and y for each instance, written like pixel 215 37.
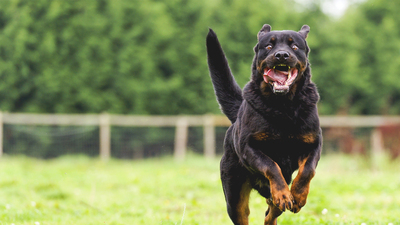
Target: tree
pixel 148 56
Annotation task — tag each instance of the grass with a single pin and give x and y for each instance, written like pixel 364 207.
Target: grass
pixel 81 190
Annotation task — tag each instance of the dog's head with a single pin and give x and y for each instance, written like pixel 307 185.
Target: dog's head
pixel 281 58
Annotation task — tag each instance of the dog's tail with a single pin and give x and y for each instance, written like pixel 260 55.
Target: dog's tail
pixel 228 92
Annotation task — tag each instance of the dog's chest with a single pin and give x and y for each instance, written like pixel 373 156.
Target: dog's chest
pixel 279 146
pixel 263 136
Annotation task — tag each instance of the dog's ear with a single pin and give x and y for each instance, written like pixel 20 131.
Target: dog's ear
pixel 265 29
pixel 304 31
pixel 255 49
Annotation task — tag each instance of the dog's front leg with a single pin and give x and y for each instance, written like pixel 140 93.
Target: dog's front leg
pixel 301 184
pixel 281 196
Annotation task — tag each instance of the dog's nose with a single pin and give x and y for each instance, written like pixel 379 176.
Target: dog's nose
pixel 282 55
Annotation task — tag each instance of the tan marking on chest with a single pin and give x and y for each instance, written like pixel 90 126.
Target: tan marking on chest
pixel 261 136
pixel 308 138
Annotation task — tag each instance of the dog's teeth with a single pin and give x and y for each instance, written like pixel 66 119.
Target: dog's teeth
pixel 289 76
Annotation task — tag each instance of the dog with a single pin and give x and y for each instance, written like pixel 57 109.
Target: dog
pixel 275 125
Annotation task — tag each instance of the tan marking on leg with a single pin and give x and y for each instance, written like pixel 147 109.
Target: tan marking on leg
pixel 243 210
pixel 280 193
pixel 273 213
pixel 301 187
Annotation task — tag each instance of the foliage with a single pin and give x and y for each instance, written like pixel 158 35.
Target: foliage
pixel 148 56
pixel 358 64
pixel 79 190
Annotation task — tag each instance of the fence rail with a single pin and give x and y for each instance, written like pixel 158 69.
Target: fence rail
pixel 182 123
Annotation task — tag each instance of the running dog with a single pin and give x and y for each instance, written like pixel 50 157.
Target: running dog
pixel 275 125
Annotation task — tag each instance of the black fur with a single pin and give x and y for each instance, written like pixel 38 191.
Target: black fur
pixel 275 129
pixel 228 92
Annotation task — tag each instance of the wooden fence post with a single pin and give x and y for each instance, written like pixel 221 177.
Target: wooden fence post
pixel 377 148
pixel 376 142
pixel 181 136
pixel 105 136
pixel 209 137
pixel 1 133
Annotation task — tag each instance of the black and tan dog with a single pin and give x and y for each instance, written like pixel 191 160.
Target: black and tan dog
pixel 275 126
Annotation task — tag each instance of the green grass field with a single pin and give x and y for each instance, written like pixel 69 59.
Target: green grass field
pixel 80 190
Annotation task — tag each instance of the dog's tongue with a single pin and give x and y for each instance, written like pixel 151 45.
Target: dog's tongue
pixel 280 80
pixel 280 77
pixel 275 75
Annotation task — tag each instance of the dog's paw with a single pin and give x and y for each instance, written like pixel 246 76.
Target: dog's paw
pixel 300 198
pixel 282 199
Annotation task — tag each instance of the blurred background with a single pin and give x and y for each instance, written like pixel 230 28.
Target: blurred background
pixel 147 57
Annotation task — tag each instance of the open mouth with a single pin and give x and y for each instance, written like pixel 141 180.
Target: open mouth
pixel 280 77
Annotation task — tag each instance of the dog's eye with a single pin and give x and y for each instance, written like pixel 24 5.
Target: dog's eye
pixel 294 47
pixel 269 47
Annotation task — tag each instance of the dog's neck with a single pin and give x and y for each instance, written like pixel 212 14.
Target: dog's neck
pixel 261 102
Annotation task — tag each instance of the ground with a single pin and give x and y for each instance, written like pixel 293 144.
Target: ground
pixel 82 190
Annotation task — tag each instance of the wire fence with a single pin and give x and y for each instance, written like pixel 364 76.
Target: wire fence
pixel 132 137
